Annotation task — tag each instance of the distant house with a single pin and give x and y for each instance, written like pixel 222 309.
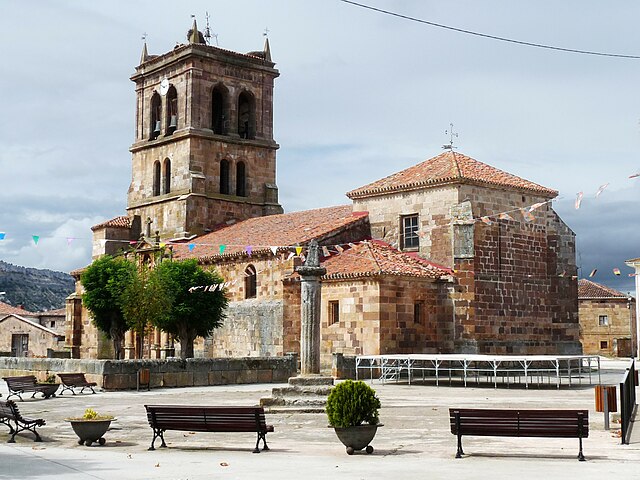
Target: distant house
pixel 607 320
pixel 30 334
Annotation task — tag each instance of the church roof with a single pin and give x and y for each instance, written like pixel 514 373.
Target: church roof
pixel 260 233
pixel 6 309
pixel 589 289
pixel 449 168
pixel 375 258
pixel 117 222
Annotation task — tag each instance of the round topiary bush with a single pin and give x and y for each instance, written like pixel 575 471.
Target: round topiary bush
pixel 352 403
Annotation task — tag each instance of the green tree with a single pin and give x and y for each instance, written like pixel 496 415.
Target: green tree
pixel 195 312
pixel 104 281
pixel 144 300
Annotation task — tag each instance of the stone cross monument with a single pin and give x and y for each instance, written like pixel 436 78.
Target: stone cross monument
pixel 310 274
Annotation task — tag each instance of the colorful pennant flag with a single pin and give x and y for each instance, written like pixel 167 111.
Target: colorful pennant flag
pixel 528 216
pixel 578 199
pixel 222 247
pixel 36 238
pixel 70 241
pixel 325 252
pixel 601 189
pixel 593 272
pixel 505 216
pixel 191 247
pixel 486 220
pixel 298 251
pixel 248 249
pixel 339 249
pixel 2 235
pixel 536 205
pixel 616 271
pixel 274 250
pixel 635 175
pixel 291 255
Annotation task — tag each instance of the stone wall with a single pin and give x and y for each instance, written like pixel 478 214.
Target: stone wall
pixel 121 374
pixel 40 340
pixel 600 339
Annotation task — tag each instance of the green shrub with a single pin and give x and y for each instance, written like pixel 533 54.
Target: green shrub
pixel 352 403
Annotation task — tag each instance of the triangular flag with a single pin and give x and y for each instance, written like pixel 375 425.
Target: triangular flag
pixel 632 274
pixel 2 234
pixel 536 205
pixel 616 271
pixel 325 252
pixel 578 200
pixel 298 251
pixel 486 220
pixel 222 247
pixel 191 247
pixel 563 273
pixel 36 238
pixel 505 216
pixel 291 255
pixel 528 216
pixel 133 242
pixel 248 249
pixel 601 189
pixel 274 250
pixel 635 175
pixel 103 242
pixel 593 272
pixel 70 241
pixel 339 249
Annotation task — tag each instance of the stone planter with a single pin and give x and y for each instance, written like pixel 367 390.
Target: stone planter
pixel 90 431
pixel 358 437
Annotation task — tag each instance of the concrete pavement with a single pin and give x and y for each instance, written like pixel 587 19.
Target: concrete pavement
pixel 415 441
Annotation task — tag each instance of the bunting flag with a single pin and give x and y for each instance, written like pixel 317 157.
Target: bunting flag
pixel 527 215
pixel 601 189
pixel 291 255
pixel 339 249
pixel 36 238
pixel 593 272
pixel 248 249
pixel 274 250
pixel 133 242
pixel 191 247
pixel 2 235
pixel 563 273
pixel 325 252
pixel 635 175
pixel 103 242
pixel 632 274
pixel 578 199
pixel 616 271
pixel 222 247
pixel 70 241
pixel 536 206
pixel 505 216
pixel 298 251
pixel 486 220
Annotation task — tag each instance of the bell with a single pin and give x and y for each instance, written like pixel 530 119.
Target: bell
pixel 174 121
pixel 157 129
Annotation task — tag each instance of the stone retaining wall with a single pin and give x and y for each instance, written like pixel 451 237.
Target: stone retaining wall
pixel 121 374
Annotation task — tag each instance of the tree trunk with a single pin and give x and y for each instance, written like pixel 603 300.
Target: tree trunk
pixel 186 345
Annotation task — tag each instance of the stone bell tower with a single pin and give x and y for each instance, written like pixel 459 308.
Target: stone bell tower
pixel 204 152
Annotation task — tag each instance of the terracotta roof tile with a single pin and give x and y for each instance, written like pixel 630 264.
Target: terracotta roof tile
pixel 374 258
pixel 589 289
pixel 296 228
pixel 446 168
pixel 117 222
pixel 6 309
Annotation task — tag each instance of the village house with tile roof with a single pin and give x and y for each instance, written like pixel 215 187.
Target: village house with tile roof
pixel 607 320
pixel 27 333
pixel 451 255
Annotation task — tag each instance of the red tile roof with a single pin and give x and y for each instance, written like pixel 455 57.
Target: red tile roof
pixel 118 222
pixel 447 168
pixel 287 229
pixel 6 309
pixel 589 289
pixel 375 258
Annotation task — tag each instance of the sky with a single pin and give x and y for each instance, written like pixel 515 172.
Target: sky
pixel 360 95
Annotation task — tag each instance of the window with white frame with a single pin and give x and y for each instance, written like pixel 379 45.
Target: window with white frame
pixel 409 229
pixel 603 320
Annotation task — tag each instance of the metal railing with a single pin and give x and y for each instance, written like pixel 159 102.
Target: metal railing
pixel 627 401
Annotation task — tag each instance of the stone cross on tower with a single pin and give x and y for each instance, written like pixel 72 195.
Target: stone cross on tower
pixel 310 274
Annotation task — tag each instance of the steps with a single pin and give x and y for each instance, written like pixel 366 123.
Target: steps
pixel 303 394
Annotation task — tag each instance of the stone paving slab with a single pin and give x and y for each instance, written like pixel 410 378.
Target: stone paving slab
pixel 415 441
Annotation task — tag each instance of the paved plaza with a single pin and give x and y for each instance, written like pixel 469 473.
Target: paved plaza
pixel 415 441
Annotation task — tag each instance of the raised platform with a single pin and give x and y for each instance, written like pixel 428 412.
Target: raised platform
pixel 303 394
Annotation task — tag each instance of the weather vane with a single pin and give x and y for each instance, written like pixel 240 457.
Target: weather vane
pixel 144 37
pixel 207 30
pixel 451 134
pixel 266 32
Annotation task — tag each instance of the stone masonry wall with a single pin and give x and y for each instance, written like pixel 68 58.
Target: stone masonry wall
pixel 121 374
pixel 621 325
pixel 39 340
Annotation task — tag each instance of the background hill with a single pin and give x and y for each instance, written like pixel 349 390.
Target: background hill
pixel 36 290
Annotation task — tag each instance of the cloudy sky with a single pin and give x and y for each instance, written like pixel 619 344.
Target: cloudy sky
pixel 361 95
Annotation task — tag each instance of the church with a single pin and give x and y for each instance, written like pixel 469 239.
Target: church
pixel 450 255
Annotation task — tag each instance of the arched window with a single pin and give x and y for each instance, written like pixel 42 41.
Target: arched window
pixel 156 178
pixel 246 115
pixel 156 116
pixel 224 177
pixel 172 110
pixel 241 180
pixel 250 282
pixel 219 110
pixel 166 180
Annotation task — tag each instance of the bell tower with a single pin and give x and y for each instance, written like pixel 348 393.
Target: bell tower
pixel 204 152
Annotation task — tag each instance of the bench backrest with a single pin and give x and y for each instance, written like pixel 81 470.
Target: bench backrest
pixel 20 383
pixel 206 418
pixel 523 423
pixel 71 378
pixel 9 409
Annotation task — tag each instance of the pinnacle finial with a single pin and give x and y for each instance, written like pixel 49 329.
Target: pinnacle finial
pixel 145 55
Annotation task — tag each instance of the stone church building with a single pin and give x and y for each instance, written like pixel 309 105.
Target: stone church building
pixel 448 256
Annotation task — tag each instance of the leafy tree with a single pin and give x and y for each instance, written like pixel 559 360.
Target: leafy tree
pixel 144 300
pixel 104 281
pixel 194 312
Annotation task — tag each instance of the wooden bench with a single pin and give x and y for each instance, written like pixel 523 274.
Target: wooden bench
pixel 9 414
pixel 519 423
pixel 207 419
pixel 75 380
pixel 28 383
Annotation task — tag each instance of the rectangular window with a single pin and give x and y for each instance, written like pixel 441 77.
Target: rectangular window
pixel 19 345
pixel 417 313
pixel 604 345
pixel 334 312
pixel 409 226
pixel 603 320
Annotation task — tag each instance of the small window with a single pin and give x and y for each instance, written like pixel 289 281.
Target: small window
pixel 604 345
pixel 241 181
pixel 603 320
pixel 166 181
pixel 409 225
pixel 52 324
pixel 246 115
pixel 224 177
pixel 334 312
pixel 219 114
pixel 417 313
pixel 156 116
pixel 250 282
pixel 156 178
pixel 172 110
